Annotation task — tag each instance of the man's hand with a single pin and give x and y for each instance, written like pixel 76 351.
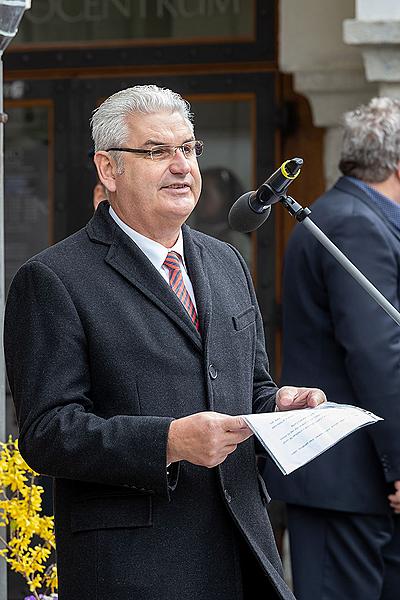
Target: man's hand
pixel 293 398
pixel 394 499
pixel 205 438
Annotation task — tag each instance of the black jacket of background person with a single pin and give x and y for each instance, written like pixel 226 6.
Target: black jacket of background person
pixel 101 355
pixel 337 338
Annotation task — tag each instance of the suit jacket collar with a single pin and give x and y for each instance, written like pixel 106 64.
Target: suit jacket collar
pixel 126 257
pixel 345 185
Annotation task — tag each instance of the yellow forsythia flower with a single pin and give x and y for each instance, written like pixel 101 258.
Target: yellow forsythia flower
pixel 31 538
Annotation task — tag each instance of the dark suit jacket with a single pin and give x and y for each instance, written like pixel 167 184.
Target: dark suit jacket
pixel 337 338
pixel 101 356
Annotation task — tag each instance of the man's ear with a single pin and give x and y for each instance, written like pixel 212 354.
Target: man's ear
pixel 106 169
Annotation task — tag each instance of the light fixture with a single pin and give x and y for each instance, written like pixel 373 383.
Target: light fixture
pixel 11 13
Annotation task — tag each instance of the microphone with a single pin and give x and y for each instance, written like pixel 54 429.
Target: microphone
pixel 253 208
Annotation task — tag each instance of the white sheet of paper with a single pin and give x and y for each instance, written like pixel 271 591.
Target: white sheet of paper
pixel 295 437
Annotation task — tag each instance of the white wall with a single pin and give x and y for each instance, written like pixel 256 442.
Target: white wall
pixel 377 10
pixel 311 35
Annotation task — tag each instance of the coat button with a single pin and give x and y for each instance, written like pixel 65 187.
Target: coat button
pixel 228 497
pixel 213 372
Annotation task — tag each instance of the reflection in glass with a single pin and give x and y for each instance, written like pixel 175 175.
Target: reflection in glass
pixel 26 211
pixel 226 166
pixel 220 185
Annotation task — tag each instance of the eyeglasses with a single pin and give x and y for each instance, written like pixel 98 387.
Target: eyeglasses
pixel 189 150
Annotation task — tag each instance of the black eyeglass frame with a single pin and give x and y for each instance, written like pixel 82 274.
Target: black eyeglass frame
pixel 198 146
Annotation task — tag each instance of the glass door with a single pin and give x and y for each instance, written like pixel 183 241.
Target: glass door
pixel 225 123
pixel 28 185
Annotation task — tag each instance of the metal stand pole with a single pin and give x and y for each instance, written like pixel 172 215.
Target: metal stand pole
pixel 302 216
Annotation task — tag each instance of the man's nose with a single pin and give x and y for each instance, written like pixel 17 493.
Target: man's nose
pixel 179 162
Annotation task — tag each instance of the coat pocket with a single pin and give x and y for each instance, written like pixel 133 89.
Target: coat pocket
pixel 245 318
pixel 109 512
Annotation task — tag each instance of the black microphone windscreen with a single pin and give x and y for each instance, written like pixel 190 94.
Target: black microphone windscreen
pixel 243 218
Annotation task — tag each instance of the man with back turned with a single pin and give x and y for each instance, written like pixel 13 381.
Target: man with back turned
pixel 132 348
pixel 343 507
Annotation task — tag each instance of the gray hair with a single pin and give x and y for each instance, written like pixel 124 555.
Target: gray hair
pixel 371 140
pixel 109 120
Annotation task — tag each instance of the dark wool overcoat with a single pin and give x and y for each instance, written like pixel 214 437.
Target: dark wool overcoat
pixel 101 356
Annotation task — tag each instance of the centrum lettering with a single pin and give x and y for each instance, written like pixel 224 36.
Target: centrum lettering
pixel 223 6
pixel 142 9
pixel 193 8
pixel 70 17
pixel 166 6
pixel 186 12
pixel 94 10
pixel 124 7
pixel 44 11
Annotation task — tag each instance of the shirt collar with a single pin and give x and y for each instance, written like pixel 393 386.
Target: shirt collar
pixel 155 252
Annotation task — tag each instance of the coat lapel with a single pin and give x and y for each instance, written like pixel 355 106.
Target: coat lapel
pixel 126 257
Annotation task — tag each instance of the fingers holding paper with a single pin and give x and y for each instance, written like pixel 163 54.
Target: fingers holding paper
pixel 206 438
pixel 293 398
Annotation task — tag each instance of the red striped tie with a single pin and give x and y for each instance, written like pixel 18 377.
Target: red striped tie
pixel 172 262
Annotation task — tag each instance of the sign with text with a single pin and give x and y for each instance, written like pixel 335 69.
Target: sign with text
pixel 51 21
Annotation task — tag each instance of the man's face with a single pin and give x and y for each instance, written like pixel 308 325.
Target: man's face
pixel 152 194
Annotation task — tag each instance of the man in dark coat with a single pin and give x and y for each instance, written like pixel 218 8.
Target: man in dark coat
pixel 343 506
pixel 133 347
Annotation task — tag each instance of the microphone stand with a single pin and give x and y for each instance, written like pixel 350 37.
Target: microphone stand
pixel 302 216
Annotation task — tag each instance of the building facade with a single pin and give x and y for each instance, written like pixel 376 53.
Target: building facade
pixel 267 81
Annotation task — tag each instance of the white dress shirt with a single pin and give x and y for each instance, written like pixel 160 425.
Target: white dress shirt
pixel 157 253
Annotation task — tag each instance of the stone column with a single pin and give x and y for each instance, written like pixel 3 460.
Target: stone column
pixel 331 93
pixel 326 70
pixel 376 31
